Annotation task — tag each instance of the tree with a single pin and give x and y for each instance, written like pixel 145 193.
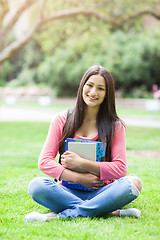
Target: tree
pixel 7 48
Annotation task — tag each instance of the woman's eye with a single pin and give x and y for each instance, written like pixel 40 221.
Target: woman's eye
pixel 89 85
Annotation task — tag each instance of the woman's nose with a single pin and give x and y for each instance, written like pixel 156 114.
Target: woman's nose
pixel 93 91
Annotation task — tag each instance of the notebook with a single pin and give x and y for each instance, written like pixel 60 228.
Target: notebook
pixel 90 150
pixel 83 149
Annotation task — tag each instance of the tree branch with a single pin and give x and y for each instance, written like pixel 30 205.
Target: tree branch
pixel 118 22
pixel 41 9
pixel 4 8
pixel 75 12
pixel 9 51
pixel 13 47
pixel 140 14
pixel 16 16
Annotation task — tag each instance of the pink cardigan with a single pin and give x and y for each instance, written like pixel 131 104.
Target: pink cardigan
pixel 109 171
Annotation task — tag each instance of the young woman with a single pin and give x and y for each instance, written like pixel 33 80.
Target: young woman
pixel 93 118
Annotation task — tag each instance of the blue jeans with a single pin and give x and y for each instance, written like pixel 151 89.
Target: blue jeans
pixel 76 203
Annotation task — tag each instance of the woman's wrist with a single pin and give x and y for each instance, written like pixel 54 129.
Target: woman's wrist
pixel 91 167
pixel 70 176
pixel 81 164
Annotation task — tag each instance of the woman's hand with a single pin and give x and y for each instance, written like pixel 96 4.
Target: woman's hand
pixel 90 181
pixel 71 160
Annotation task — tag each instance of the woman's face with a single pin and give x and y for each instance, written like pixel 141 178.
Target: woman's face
pixel 94 91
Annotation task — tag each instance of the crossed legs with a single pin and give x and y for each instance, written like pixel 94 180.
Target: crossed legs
pixel 73 203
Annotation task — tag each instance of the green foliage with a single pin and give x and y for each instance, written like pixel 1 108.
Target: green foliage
pixel 133 65
pixel 65 68
pixel 22 68
pixel 132 58
pixel 10 69
pixel 7 68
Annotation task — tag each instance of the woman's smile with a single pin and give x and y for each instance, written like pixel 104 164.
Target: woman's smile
pixel 92 98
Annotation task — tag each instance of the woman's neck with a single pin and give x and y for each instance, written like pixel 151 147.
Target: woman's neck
pixel 88 129
pixel 90 113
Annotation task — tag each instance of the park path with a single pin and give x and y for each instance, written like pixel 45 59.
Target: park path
pixel 11 113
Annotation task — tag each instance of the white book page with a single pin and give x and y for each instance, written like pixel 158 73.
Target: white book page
pixel 83 149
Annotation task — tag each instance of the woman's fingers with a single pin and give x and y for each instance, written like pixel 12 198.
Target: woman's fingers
pixel 66 153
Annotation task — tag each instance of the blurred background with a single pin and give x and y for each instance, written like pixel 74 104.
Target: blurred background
pixel 46 46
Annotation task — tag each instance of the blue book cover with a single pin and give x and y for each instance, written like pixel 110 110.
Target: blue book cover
pixel 91 150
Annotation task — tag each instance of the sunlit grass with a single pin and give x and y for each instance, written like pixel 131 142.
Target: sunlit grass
pixel 137 112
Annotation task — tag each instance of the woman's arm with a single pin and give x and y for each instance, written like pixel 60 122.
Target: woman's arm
pixel 117 168
pixel 74 162
pixel 47 162
pixel 86 179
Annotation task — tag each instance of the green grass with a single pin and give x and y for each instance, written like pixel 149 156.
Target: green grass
pixel 141 138
pixel 137 113
pixel 20 146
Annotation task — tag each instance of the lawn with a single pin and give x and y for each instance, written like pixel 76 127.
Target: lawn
pixel 20 146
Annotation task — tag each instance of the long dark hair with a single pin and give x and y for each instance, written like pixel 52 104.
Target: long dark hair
pixel 107 116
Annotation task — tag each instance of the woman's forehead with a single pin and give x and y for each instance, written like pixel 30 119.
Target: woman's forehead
pixel 97 79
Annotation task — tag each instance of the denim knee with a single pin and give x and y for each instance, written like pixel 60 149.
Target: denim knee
pixel 36 187
pixel 136 184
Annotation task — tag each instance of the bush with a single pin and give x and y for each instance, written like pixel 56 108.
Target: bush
pixel 133 59
pixel 136 92
pixel 64 70
pixel 7 68
pixel 22 67
pixel 135 65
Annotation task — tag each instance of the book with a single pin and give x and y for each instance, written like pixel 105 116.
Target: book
pixel 83 149
pixel 90 150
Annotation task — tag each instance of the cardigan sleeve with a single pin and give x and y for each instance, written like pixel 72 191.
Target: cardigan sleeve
pixel 117 168
pixel 46 161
